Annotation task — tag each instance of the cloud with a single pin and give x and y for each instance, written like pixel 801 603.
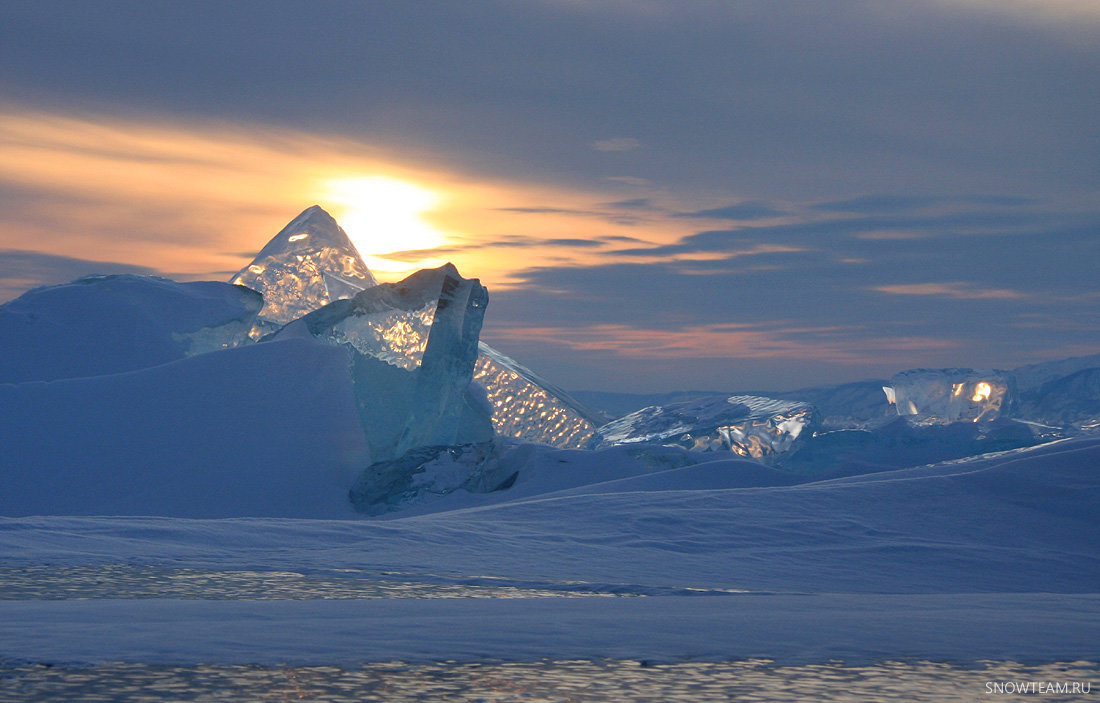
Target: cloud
pixel 777 340
pixel 617 144
pixel 887 203
pixel 22 270
pixel 544 211
pixel 633 204
pixel 879 203
pixel 957 290
pixel 749 210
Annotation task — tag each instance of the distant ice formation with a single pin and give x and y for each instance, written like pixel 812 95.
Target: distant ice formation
pixel 307 265
pixel 942 396
pixel 750 426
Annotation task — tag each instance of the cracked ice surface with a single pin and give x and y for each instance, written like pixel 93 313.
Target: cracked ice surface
pixel 307 265
pixel 751 426
pixel 942 396
pixel 528 408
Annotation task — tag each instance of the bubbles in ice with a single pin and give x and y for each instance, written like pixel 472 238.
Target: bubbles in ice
pixel 307 265
pixel 529 408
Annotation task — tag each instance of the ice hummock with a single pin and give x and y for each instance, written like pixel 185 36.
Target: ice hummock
pixel 751 426
pixel 413 345
pixel 528 408
pixel 311 263
pixel 942 396
pixel 100 325
pixel 307 265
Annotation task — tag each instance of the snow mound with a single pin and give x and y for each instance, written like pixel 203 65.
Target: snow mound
pixel 108 324
pixel 227 434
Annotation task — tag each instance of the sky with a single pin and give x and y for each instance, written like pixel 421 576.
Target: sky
pixel 742 195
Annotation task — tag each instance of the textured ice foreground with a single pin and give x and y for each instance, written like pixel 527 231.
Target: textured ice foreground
pixel 758 680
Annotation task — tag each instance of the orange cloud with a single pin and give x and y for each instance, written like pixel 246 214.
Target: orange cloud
pixel 840 345
pixel 196 199
pixel 956 291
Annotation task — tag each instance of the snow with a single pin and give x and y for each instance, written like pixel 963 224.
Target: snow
pixel 993 558
pixel 1021 522
pixel 226 434
pixel 108 324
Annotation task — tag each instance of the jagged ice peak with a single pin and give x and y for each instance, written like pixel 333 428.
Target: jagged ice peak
pixel 307 265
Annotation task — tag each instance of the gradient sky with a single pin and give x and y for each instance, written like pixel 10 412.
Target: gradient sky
pixel 659 195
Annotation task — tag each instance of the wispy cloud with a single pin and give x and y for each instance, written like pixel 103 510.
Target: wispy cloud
pixel 956 290
pixel 617 144
pixel 749 210
pixel 22 270
pixel 782 339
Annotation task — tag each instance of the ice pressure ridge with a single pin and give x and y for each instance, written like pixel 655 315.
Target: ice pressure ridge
pixel 529 409
pixel 751 426
pixel 311 263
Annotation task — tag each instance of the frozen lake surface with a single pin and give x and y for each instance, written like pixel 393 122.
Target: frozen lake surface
pixel 568 681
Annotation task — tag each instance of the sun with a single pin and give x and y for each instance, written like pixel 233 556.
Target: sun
pixel 385 215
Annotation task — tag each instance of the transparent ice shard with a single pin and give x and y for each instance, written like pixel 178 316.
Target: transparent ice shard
pixel 943 396
pixel 413 346
pixel 527 407
pixel 751 426
pixel 306 266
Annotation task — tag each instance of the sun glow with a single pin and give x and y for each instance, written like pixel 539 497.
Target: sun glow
pixel 981 392
pixel 384 215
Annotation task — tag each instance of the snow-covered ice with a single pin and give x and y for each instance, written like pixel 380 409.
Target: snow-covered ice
pixel 100 325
